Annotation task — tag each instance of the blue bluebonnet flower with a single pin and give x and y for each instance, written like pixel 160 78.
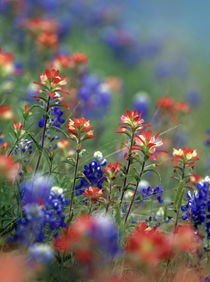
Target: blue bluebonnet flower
pixel 176 68
pixel 40 253
pixel 157 192
pixel 94 97
pixel 193 97
pixel 24 147
pixel 30 228
pixel 198 206
pixel 141 103
pixel 55 118
pixel 93 176
pixel 207 142
pixel 127 47
pixel 42 216
pixel 54 216
pixel 36 191
pixel 180 138
pixel 106 234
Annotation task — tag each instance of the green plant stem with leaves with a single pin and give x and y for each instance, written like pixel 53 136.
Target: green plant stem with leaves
pixel 136 188
pixel 109 198
pixel 43 136
pixel 127 169
pixel 74 182
pixel 179 197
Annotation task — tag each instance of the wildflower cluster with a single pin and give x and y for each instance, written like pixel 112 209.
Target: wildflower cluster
pixel 197 208
pixel 93 239
pixel 43 209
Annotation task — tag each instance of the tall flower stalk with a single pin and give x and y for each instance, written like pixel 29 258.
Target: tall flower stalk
pixel 184 159
pixel 80 130
pixel 51 86
pixel 148 145
pixel 131 123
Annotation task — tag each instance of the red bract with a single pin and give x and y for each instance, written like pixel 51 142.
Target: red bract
pixel 75 239
pixel 79 58
pixel 148 245
pixel 195 178
pixel 6 112
pixel 17 126
pixel 112 169
pixel 93 193
pixel 131 120
pixel 182 107
pixel 185 239
pixel 61 61
pixel 38 25
pixel 79 126
pixel 148 144
pixel 8 167
pixel 48 39
pixel 52 82
pixel 165 103
pixel 187 156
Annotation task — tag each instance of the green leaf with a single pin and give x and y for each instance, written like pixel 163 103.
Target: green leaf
pixel 35 142
pixel 165 211
pixel 180 199
pixel 178 192
pixel 154 171
pixel 37 106
pixel 60 130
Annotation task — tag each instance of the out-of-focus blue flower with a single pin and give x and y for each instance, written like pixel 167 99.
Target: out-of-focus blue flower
pixel 178 68
pixel 40 253
pixel 36 190
pixel 198 206
pixel 180 139
pixel 127 47
pixel 141 103
pixel 207 142
pixel 93 177
pixel 193 97
pixel 42 216
pixel 30 228
pixel 94 97
pixel 106 234
pixel 54 216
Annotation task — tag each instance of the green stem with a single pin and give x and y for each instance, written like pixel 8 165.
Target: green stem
pixel 43 137
pixel 74 184
pixel 178 196
pixel 134 195
pixel 110 198
pixel 127 169
pixel 13 147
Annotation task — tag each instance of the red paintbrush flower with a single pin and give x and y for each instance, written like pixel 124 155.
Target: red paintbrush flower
pixel 182 107
pixel 6 112
pixel 52 83
pixel 131 120
pixel 187 156
pixel 93 193
pixel 79 58
pixel 48 39
pixel 79 126
pixel 148 144
pixel 148 245
pixel 112 170
pixel 165 103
